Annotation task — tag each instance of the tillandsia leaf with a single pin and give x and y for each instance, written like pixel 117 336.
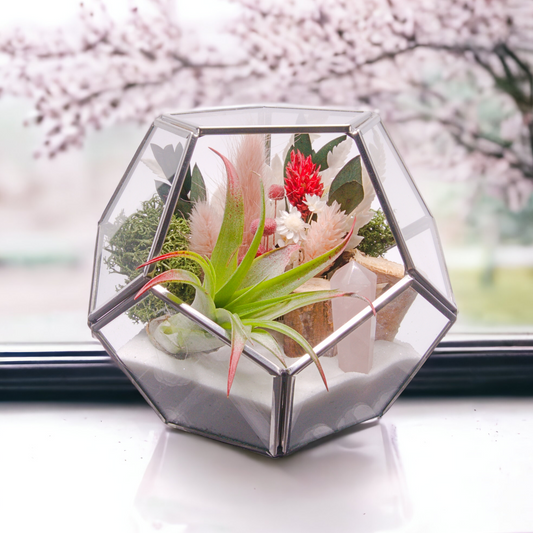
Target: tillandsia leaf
pixel 224 295
pixel 320 159
pixel 269 265
pixel 292 334
pixel 266 340
pixel 225 254
pixel 202 301
pixel 288 281
pixel 347 187
pixel 238 340
pixel 198 189
pixel 276 307
pixel 205 265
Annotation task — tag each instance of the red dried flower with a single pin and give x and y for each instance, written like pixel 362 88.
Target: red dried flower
pixel 301 178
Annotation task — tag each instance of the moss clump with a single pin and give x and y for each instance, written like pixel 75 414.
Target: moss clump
pixel 129 248
pixel 377 235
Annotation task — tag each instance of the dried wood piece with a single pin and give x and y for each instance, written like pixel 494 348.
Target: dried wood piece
pixel 388 273
pixel 314 322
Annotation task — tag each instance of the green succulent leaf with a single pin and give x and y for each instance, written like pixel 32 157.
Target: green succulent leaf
pixel 276 307
pixel 292 334
pixel 347 187
pixel 205 265
pixel 224 295
pixel 269 265
pixel 202 301
pixel 225 254
pixel 321 157
pixel 288 281
pixel 265 339
pixel 239 335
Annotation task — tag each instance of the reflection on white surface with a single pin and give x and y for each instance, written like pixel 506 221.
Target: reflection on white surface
pixel 81 468
pixel 348 483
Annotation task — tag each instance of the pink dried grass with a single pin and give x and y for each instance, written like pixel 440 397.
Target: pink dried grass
pixel 205 222
pixel 249 162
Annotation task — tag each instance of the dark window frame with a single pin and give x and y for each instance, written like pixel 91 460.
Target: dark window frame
pixel 471 365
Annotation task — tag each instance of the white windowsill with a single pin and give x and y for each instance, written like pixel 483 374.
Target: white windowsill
pixel 462 465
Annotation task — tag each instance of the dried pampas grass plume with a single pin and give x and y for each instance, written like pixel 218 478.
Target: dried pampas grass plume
pixel 249 162
pixel 326 232
pixel 205 222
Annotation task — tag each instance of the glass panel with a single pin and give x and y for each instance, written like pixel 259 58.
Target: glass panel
pixel 426 253
pixel 189 389
pixel 266 116
pixel 407 204
pixel 354 397
pixel 414 221
pixel 128 227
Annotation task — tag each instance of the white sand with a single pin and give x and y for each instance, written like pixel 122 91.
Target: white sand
pixel 192 392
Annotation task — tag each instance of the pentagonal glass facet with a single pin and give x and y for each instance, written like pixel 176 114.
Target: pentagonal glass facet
pixel 190 391
pixel 175 197
pixel 356 397
pixel 408 209
pixel 123 244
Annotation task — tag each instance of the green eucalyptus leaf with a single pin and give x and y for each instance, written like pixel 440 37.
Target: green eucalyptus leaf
pixel 162 190
pixel 185 200
pixel 321 157
pixel 302 142
pixel 198 189
pixel 347 187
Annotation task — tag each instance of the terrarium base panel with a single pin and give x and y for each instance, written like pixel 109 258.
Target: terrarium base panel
pixel 192 392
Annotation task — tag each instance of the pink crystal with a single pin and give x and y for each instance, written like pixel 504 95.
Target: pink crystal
pixel 355 352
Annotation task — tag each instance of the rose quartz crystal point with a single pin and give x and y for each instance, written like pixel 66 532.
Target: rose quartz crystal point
pixel 355 352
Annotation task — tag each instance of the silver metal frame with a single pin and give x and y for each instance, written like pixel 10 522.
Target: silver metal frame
pixel 283 378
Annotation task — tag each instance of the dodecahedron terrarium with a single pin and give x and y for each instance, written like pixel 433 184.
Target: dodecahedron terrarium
pixel 267 276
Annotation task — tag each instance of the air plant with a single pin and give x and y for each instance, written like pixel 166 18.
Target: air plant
pixel 245 297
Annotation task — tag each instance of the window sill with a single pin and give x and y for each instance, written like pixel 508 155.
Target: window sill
pixel 462 366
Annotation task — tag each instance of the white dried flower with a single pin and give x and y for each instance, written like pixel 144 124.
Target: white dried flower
pixel 290 227
pixel 315 204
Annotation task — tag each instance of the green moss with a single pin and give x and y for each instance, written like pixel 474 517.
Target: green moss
pixel 377 235
pixel 129 248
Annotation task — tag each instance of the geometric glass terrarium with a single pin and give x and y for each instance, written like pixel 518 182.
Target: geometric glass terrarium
pixel 302 243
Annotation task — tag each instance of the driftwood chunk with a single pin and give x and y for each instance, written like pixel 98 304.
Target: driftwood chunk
pixel 388 273
pixel 314 322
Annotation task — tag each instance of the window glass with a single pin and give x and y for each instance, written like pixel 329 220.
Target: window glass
pixel 445 115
